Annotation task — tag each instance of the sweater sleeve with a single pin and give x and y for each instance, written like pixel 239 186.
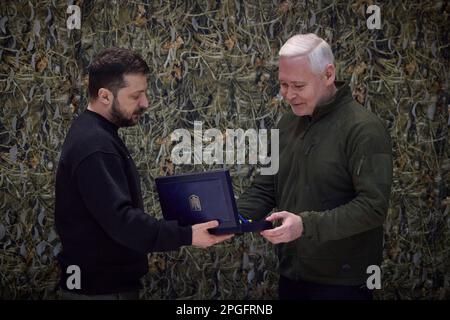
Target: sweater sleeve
pixel 258 200
pixel 103 186
pixel 369 155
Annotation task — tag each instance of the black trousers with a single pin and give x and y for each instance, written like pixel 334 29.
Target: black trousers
pixel 301 290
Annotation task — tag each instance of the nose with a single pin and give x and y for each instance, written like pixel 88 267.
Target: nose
pixel 144 102
pixel 289 95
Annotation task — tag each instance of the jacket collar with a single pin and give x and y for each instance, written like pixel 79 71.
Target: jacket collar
pixel 103 122
pixel 342 95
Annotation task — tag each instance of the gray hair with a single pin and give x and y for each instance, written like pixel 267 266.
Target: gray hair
pixel 316 49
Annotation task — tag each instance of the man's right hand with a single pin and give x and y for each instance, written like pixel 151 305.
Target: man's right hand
pixel 203 239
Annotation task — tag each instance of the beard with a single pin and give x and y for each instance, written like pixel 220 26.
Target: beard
pixel 119 116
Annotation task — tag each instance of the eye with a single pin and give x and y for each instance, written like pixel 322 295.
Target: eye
pixel 284 85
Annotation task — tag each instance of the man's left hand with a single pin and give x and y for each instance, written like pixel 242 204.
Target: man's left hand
pixel 291 227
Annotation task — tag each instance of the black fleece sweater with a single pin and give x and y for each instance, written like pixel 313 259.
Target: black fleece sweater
pixel 99 212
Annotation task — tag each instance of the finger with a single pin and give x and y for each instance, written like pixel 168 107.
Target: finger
pixel 276 216
pixel 278 239
pixel 210 224
pixel 230 236
pixel 276 232
pixel 224 237
pixel 273 240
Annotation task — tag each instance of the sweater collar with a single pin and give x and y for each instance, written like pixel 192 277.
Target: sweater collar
pixel 102 121
pixel 342 93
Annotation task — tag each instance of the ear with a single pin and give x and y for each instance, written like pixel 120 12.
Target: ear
pixel 330 74
pixel 105 96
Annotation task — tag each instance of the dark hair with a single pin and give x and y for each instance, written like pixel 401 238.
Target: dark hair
pixel 108 68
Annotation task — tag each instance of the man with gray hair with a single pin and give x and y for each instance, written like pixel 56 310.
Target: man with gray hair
pixel 332 190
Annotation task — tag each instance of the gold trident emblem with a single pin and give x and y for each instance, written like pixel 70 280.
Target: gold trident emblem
pixel 194 203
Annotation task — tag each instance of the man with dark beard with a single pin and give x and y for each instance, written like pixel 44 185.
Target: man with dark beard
pixel 99 211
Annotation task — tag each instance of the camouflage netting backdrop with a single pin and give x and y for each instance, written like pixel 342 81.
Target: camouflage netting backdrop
pixel 216 62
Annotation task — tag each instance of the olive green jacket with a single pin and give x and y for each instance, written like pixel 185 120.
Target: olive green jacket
pixel 336 173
